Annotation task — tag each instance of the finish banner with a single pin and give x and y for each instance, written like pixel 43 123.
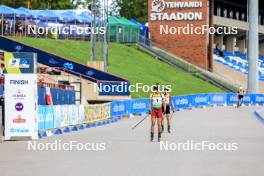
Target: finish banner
pixel 20 95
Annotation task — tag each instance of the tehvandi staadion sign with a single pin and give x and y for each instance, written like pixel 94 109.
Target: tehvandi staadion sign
pixel 159 6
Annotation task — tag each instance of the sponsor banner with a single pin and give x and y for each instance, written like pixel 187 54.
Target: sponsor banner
pixel 199 100
pixel 181 102
pixel 231 99
pixel 41 117
pixel 217 99
pixel 64 116
pixel 258 99
pixel 57 116
pixel 75 114
pixel 81 114
pixel 138 105
pixel 248 99
pixel 49 117
pixel 20 63
pixel 21 104
pixel 119 108
pixel 105 111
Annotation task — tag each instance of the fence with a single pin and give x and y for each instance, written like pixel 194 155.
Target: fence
pixel 66 118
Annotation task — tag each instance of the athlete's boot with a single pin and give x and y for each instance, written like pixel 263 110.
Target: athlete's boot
pixel 151 137
pixel 159 136
pixel 169 129
pixel 162 128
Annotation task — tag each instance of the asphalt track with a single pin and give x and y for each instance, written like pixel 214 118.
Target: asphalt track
pixel 130 153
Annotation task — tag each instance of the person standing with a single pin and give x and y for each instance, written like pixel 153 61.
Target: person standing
pixel 156 104
pixel 168 105
pixel 240 97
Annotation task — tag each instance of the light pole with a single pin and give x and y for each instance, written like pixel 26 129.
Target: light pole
pixel 105 35
pixel 253 46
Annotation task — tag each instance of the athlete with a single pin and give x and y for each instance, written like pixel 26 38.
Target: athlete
pixel 156 104
pixel 168 104
pixel 240 96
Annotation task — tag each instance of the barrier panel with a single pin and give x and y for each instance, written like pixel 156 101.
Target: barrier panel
pixel 259 99
pixel 181 102
pixel 199 100
pixel 138 105
pixel 63 116
pixel 217 99
pixel 119 108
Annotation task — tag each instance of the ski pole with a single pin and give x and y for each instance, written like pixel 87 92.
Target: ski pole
pixel 140 122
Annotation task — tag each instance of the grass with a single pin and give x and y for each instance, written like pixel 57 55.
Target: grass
pixel 130 63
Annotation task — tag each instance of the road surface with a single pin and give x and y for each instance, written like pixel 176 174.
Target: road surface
pixel 130 153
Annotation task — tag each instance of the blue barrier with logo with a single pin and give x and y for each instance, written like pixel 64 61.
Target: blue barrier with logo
pixel 181 102
pixel 118 108
pixel 259 99
pixel 138 105
pixel 231 99
pixel 58 116
pixel 41 117
pixel 199 100
pixel 49 117
pixel 217 99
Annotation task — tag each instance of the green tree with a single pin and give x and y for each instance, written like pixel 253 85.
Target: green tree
pixel 137 9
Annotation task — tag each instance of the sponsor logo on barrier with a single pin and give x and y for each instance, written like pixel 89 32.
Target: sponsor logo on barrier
pixel 18 48
pixel 118 108
pixel 68 65
pixel 19 63
pixel 139 105
pixel 183 101
pixel 19 119
pixel 259 98
pixel 217 98
pixel 200 99
pixel 90 73
pixel 19 106
pixel 233 98
pixel 19 130
pixel 53 61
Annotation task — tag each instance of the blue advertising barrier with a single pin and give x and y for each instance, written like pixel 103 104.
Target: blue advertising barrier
pixel 62 116
pixel 41 117
pixel 138 105
pixel 199 100
pixel 181 102
pixel 119 108
pixel 49 118
pixel 217 99
pixel 259 99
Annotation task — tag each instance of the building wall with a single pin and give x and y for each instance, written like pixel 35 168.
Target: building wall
pixel 192 47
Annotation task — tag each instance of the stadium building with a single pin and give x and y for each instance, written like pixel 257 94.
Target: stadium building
pixel 209 34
